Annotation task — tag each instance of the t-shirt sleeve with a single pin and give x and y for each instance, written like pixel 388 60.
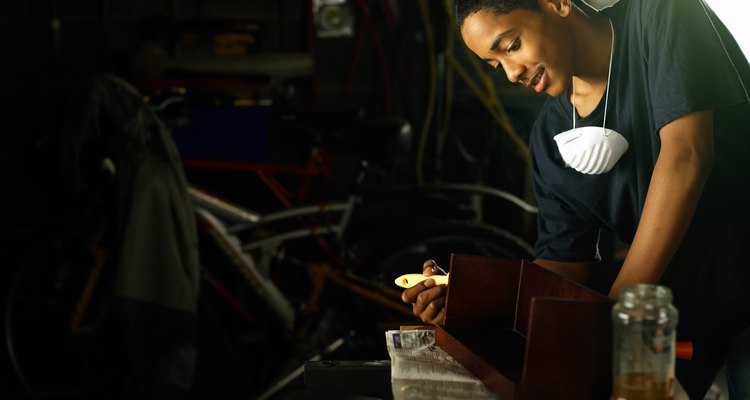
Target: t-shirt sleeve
pixel 562 234
pixel 688 65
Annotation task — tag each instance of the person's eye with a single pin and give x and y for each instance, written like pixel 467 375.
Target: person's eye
pixel 515 45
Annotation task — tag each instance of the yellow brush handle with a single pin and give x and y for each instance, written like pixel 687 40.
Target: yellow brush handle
pixel 409 280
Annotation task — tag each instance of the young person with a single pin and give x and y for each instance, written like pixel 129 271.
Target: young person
pixel 646 133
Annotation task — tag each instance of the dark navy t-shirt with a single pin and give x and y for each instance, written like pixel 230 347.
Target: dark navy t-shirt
pixel 668 62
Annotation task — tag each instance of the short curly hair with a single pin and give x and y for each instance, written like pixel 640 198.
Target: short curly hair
pixel 464 8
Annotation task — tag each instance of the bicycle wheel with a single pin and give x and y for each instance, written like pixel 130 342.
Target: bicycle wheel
pixel 439 240
pixel 48 359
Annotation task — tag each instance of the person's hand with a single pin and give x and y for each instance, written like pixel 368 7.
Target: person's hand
pixel 426 297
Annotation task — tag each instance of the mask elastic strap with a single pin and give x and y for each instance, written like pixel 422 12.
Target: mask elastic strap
pixel 705 10
pixel 609 74
pixel 573 82
pixel 606 91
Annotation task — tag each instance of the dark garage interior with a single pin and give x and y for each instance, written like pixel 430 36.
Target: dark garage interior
pixel 155 153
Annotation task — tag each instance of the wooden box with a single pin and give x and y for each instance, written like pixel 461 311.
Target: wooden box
pixel 526 332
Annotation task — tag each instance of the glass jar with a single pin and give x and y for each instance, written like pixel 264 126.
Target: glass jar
pixel 644 322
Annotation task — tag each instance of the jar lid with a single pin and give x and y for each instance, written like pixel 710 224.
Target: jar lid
pixel 645 295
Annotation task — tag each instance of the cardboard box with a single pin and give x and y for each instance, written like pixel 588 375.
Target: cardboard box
pixel 527 332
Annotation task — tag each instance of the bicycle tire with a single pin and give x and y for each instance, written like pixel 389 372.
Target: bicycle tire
pixel 49 361
pixel 440 239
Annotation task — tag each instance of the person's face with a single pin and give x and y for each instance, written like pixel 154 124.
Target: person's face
pixel 533 48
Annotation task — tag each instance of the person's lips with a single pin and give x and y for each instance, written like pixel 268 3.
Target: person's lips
pixel 539 81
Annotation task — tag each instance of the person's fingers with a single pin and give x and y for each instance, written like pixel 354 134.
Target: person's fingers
pixel 427 298
pixel 410 295
pixel 421 306
pixel 433 312
pixel 429 268
pixel 429 295
pixel 439 319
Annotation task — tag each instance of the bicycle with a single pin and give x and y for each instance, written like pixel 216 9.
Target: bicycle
pixel 298 283
pixel 349 243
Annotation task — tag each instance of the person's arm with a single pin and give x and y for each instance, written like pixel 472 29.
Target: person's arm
pixel 680 173
pixel 575 271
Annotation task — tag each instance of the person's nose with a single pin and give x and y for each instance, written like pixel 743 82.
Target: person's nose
pixel 514 71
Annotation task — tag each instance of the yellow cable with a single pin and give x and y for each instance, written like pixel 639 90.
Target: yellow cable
pixel 497 113
pixel 429 37
pixel 445 124
pixel 488 94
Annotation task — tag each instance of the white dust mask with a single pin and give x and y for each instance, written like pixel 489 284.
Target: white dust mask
pixel 592 149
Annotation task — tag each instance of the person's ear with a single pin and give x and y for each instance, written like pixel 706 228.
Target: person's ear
pixel 558 7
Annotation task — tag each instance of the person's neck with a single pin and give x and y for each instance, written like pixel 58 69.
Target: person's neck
pixel 593 46
pixel 593 38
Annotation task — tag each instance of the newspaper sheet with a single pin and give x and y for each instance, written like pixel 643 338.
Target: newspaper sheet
pixel 420 369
